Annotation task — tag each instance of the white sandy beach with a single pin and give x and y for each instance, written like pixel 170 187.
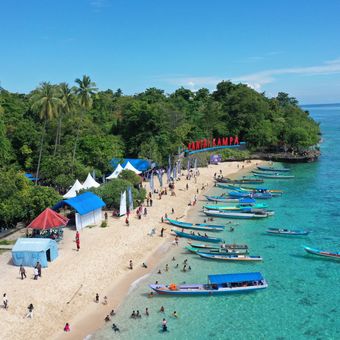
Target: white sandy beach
pixel 67 289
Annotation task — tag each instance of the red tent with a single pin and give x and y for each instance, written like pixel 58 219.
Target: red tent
pixel 48 219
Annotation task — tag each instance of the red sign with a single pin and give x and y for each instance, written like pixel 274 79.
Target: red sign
pixel 206 143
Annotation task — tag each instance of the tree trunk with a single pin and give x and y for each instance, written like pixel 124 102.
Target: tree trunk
pixel 76 141
pixel 57 137
pixel 40 152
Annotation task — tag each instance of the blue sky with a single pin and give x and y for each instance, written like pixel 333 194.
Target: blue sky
pixel 291 46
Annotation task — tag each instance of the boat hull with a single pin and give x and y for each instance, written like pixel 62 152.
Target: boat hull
pixel 322 253
pixel 205 227
pixel 222 257
pixel 197 237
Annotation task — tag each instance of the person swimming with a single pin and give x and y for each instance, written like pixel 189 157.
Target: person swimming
pixel 115 328
pixel 174 314
pixel 133 315
pixel 107 318
pixel 164 326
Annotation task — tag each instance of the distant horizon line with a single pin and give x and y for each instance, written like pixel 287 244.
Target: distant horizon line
pixel 320 104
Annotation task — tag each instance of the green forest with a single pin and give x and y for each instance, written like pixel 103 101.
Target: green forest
pixel 60 132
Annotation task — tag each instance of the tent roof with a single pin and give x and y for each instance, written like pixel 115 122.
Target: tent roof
pixel 90 182
pixel 76 187
pixel 32 244
pixel 238 277
pixel 129 166
pixel 115 174
pixel 139 164
pixel 31 177
pixel 83 203
pixel 48 219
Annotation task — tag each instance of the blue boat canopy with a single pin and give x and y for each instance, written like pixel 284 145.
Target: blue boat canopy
pixel 139 164
pixel 31 177
pixel 83 203
pixel 238 277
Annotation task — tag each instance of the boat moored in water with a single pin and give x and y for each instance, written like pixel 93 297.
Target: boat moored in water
pixel 217 251
pixel 226 257
pixel 323 253
pixel 243 180
pixel 197 226
pixel 218 284
pixel 288 232
pixel 272 175
pixel 240 215
pixel 222 246
pixel 194 236
pixel 270 168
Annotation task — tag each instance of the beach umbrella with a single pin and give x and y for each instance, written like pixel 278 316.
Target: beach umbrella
pixel 160 177
pixel 152 187
pixel 195 164
pixel 188 167
pixel 175 172
pixel 179 166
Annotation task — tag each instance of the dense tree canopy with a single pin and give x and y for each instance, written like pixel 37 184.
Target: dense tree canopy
pixel 68 131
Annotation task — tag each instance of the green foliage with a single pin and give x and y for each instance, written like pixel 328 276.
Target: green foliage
pixel 103 224
pixel 130 176
pixel 110 192
pixel 20 200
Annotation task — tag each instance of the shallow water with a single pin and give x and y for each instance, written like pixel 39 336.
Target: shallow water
pixel 302 300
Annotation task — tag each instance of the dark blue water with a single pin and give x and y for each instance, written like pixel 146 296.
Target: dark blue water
pixel 303 297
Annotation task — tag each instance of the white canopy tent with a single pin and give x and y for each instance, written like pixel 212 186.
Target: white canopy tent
pixel 90 182
pixel 76 187
pixel 115 174
pixel 129 166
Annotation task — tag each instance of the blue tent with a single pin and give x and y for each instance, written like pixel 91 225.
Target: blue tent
pixel 83 203
pixel 139 164
pixel 29 251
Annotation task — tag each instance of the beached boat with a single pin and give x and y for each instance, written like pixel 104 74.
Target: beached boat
pixel 226 199
pixel 270 168
pixel 213 246
pixel 256 195
pixel 237 207
pixel 280 231
pixel 226 257
pixel 243 180
pixel 217 284
pixel 323 253
pixel 194 236
pixel 217 251
pixel 238 214
pixel 197 226
pixel 272 175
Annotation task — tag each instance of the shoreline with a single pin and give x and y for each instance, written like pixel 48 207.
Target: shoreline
pixel 100 266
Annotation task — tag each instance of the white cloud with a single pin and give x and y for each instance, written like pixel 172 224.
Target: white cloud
pixel 256 80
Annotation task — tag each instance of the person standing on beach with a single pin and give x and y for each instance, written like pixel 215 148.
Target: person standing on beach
pixel 97 298
pixel 130 264
pixel 162 231
pixel 78 240
pixel 30 311
pixel 35 273
pixel 150 202
pixel 22 272
pixel 5 301
pixel 38 266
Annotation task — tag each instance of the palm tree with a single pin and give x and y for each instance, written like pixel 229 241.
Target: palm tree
pixel 46 103
pixel 66 96
pixel 85 90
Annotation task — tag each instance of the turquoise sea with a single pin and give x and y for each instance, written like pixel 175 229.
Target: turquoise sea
pixel 303 297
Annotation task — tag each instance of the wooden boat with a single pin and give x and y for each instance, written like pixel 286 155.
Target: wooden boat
pixel 198 226
pixel 280 231
pixel 226 199
pixel 198 237
pixel 218 251
pixel 243 180
pixel 256 195
pixel 323 253
pixel 249 189
pixel 236 207
pixel 273 175
pixel 270 168
pixel 240 215
pixel 217 285
pixel 213 246
pixel 226 257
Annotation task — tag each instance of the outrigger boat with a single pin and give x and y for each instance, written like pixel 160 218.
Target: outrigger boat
pixel 270 168
pixel 256 195
pixel 217 284
pixel 226 257
pixel 241 215
pixel 323 253
pixel 197 237
pixel 218 251
pixel 280 231
pixel 225 199
pixel 249 189
pixel 197 226
pixel 243 180
pixel 236 207
pixel 273 175
pixel 220 246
